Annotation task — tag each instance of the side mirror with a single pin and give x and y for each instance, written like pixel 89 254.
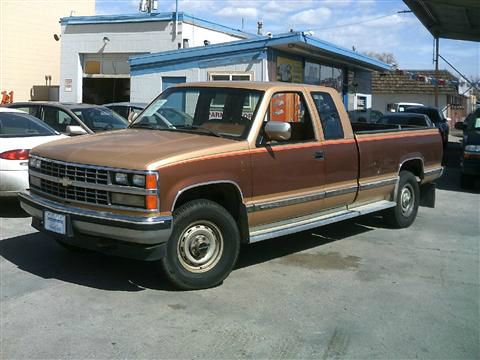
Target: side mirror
pixel 74 130
pixel 278 130
pixel 460 125
pixel 132 116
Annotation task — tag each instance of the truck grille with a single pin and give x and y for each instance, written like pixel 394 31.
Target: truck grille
pixel 74 172
pixel 79 183
pixel 75 193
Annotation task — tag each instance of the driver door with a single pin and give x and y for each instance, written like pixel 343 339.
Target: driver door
pixel 288 175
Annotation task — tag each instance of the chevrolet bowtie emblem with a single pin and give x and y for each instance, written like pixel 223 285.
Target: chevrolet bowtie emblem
pixel 66 182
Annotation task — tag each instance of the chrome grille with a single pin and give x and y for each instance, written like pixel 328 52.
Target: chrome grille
pixel 74 172
pixel 75 193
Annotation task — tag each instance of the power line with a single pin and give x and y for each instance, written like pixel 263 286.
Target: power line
pixel 362 21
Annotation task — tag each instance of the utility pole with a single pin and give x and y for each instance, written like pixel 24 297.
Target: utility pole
pixel 437 44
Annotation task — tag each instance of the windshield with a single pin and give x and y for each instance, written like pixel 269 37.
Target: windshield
pixel 100 118
pixel 212 111
pixel 22 125
pixel 473 121
pixel 433 114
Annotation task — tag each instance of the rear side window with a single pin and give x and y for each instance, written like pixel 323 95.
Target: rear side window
pixel 329 117
pixel 57 119
pixel 32 110
pixel 19 125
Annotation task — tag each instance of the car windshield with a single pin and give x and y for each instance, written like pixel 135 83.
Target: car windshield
pixel 473 121
pixel 22 125
pixel 433 114
pixel 100 118
pixel 212 111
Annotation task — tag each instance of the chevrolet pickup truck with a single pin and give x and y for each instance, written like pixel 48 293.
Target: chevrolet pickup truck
pixel 236 163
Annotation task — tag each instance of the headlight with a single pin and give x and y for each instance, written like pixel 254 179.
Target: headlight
pixel 35 163
pixel 35 181
pixel 138 180
pixel 128 200
pixel 473 148
pixel 121 178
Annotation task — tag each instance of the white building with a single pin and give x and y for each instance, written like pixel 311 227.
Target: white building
pixel 291 57
pixel 95 49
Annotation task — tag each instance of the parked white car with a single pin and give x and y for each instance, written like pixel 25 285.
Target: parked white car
pixel 401 106
pixel 19 133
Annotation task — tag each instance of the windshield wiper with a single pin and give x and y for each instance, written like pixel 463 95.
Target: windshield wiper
pixel 198 127
pixel 145 126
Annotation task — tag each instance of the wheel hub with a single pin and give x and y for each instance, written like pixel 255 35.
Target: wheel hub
pixel 200 246
pixel 407 200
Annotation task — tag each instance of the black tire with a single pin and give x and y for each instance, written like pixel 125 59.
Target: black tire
pixel 405 212
pixel 466 181
pixel 203 247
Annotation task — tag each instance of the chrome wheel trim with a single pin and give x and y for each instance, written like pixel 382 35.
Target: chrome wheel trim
pixel 200 246
pixel 407 200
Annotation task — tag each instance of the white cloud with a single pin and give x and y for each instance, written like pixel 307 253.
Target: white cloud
pixel 238 12
pixel 310 17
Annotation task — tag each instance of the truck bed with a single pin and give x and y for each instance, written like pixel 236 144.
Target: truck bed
pixel 373 128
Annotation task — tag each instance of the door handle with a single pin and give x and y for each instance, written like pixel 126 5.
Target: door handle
pixel 319 155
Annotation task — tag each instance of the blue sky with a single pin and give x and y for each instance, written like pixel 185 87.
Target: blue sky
pixel 368 25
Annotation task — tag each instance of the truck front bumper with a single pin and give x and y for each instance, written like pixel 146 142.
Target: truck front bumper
pixel 138 237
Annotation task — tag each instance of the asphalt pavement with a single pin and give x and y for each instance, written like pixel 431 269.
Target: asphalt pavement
pixel 349 290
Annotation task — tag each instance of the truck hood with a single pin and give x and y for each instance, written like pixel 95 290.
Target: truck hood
pixel 136 149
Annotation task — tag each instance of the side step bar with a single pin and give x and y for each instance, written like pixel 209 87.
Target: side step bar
pixel 312 221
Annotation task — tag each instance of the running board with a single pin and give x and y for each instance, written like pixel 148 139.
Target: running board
pixel 312 221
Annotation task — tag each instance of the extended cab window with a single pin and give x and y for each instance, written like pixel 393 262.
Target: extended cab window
pixel 331 124
pixel 290 107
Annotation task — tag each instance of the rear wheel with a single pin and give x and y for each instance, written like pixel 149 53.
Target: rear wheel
pixel 203 247
pixel 407 199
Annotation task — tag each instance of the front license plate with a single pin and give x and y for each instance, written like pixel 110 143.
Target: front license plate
pixel 54 222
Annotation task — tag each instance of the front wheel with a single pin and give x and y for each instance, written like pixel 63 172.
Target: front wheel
pixel 203 247
pixel 407 199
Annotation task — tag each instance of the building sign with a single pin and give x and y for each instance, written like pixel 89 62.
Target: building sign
pixel 68 85
pixel 312 73
pixel 289 70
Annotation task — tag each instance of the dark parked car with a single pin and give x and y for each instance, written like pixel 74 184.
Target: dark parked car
pixel 127 109
pixel 436 116
pixel 407 119
pixel 470 161
pixel 364 116
pixel 73 119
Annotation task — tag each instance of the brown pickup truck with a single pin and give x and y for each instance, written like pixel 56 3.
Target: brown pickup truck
pixel 207 167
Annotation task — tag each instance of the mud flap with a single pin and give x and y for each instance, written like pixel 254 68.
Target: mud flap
pixel 427 195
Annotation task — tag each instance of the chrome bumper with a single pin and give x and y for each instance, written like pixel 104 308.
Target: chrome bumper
pixel 139 230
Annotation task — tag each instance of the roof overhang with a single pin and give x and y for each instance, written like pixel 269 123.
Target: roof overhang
pixel 449 19
pixel 295 43
pixel 153 17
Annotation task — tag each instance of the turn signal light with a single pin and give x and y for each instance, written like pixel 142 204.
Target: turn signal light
pixel 151 181
pixel 151 202
pixel 18 154
pixel 469 155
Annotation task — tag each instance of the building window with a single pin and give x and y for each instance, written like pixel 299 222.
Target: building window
pixel 230 76
pixel 219 100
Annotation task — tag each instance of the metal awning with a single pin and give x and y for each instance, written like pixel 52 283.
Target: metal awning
pixel 449 19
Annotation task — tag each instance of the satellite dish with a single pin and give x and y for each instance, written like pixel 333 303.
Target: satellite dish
pixel 57 37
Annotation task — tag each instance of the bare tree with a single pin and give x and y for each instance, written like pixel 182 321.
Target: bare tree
pixel 386 57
